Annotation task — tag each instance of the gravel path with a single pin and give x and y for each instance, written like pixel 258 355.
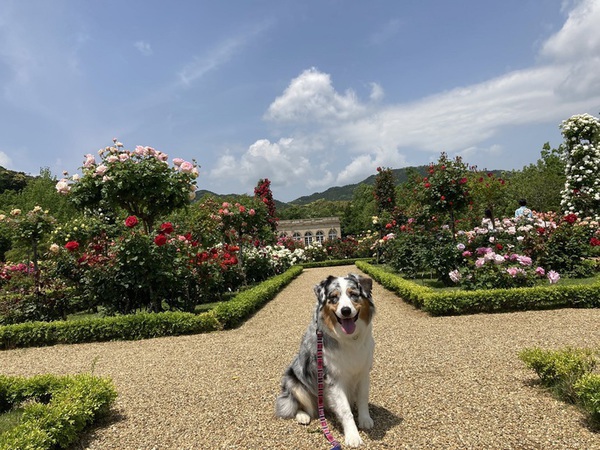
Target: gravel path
pixel 437 382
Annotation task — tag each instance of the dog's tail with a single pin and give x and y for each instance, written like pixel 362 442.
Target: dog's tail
pixel 293 397
pixel 286 406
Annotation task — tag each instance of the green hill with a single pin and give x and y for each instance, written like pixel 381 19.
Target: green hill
pixel 346 192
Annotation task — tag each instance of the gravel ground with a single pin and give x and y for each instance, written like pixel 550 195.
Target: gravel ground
pixel 437 382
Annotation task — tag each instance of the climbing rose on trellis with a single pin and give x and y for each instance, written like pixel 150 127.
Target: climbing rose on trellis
pixel 581 194
pixel 263 192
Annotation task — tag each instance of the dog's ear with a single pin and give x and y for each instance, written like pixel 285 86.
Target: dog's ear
pixel 321 289
pixel 365 283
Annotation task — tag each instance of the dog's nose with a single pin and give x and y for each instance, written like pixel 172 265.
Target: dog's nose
pixel 346 311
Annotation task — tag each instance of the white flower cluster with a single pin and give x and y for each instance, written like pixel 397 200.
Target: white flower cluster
pixel 581 194
pixel 279 257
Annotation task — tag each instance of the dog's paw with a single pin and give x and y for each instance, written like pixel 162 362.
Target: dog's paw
pixel 302 418
pixel 365 423
pixel 353 440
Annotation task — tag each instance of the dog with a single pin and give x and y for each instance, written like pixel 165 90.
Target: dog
pixel 344 313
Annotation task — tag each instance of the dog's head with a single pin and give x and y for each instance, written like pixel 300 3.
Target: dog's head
pixel 344 304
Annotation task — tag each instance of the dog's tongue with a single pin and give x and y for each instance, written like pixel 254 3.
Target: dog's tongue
pixel 348 325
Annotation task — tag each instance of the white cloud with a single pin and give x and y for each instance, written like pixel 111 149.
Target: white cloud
pixel 282 162
pixel 376 92
pixel 143 47
pixel 310 97
pixel 464 120
pixel 223 52
pixel 5 160
pixel 579 37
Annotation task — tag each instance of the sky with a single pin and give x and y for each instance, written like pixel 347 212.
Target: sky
pixel 307 93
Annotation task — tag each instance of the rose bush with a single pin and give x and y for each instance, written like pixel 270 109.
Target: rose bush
pixel 141 182
pixel 581 194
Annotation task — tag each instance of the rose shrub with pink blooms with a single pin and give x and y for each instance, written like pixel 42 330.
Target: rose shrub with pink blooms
pixel 141 182
pixel 486 269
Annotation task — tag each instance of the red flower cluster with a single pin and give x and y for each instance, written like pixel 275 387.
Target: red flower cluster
pixel 165 229
pixel 131 221
pixel 594 242
pixel 570 218
pixel 224 258
pixel 72 246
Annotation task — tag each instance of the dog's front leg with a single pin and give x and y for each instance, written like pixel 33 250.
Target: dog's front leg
pixel 362 403
pixel 338 403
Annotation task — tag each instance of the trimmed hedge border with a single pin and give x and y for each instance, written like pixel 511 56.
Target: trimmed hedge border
pixel 457 302
pixel 146 325
pixel 63 407
pixel 334 262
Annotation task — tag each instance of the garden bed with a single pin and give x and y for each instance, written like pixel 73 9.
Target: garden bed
pixel 147 325
pixel 455 301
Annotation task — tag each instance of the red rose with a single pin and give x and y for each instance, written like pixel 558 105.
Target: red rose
pixel 570 218
pixel 160 240
pixel 72 246
pixel 594 242
pixel 131 222
pixel 427 185
pixel 499 247
pixel 167 227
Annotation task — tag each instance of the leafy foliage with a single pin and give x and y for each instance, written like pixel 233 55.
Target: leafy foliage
pixel 141 182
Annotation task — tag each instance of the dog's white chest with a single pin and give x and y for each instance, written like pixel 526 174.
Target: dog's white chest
pixel 350 359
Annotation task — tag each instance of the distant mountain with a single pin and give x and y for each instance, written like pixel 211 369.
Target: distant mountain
pixel 346 192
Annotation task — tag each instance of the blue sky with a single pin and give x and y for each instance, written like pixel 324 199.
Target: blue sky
pixel 310 94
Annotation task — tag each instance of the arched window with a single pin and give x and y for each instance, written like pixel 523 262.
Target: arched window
pixel 320 237
pixel 332 235
pixel 297 236
pixel 308 238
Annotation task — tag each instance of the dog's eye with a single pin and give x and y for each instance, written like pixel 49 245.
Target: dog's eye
pixel 333 298
pixel 353 294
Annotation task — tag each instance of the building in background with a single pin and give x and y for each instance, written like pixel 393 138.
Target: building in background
pixel 310 230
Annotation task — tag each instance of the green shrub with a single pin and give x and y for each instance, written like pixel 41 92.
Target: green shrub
pixel 146 325
pixel 587 389
pixel 232 313
pixel 60 408
pixel 560 369
pixel 452 301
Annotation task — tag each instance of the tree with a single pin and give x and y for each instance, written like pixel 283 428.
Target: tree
pixel 357 215
pixel 445 187
pixel 141 182
pixel 384 190
pixel 264 194
pixel 540 183
pixel 488 193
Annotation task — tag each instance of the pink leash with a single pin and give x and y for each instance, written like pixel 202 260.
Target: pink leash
pixel 335 444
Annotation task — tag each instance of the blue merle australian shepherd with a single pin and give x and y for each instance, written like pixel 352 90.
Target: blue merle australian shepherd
pixel 343 313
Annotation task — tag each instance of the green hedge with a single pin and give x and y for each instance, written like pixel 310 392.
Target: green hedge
pixel 485 301
pixel 145 325
pixel 334 262
pixel 232 313
pixel 568 372
pixel 61 408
